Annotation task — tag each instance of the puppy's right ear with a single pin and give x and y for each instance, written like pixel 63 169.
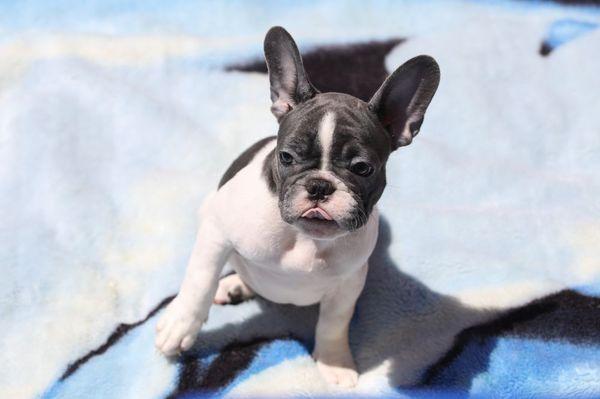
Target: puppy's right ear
pixel 289 83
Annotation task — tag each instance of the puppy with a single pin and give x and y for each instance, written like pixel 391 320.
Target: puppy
pixel 295 214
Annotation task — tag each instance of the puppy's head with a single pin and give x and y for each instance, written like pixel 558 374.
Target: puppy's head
pixel 329 164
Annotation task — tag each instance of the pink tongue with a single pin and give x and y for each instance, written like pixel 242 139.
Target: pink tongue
pixel 316 213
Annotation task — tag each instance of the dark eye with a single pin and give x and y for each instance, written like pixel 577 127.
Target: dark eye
pixel 361 169
pixel 285 158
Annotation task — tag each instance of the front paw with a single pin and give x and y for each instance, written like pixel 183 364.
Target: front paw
pixel 177 328
pixel 345 377
pixel 338 369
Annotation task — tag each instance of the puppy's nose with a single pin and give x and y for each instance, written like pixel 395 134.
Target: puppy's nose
pixel 319 189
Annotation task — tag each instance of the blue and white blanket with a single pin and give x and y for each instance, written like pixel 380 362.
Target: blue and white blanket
pixel 115 115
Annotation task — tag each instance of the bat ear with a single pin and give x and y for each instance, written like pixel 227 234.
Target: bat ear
pixel 401 101
pixel 289 83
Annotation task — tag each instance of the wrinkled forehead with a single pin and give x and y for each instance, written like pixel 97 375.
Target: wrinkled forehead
pixel 333 119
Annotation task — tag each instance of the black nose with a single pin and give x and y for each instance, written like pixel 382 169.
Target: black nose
pixel 319 189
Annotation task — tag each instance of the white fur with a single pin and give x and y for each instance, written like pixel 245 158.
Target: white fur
pixel 326 129
pixel 278 262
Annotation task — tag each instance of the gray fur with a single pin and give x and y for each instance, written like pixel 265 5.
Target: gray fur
pixel 244 159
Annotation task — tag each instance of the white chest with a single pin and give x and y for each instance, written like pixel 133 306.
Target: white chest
pixel 287 267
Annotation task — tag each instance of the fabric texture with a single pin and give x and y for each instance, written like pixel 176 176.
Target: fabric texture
pixel 118 118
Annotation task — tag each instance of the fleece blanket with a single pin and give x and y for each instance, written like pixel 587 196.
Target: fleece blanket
pixel 118 118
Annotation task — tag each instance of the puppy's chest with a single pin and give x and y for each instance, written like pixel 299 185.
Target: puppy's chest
pixel 266 243
pixel 291 253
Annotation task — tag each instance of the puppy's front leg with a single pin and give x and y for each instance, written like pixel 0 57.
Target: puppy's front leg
pixel 332 350
pixel 183 318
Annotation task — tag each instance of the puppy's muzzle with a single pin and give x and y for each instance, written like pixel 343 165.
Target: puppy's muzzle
pixel 319 189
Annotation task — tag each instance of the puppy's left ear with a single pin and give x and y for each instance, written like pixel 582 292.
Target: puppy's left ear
pixel 401 101
pixel 289 83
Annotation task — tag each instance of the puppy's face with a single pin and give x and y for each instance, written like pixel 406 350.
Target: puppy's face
pixel 329 165
pixel 331 155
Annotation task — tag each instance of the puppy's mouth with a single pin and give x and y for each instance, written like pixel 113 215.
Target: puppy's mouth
pixel 318 223
pixel 317 214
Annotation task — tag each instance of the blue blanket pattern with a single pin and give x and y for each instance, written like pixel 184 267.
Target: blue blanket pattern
pixel 117 118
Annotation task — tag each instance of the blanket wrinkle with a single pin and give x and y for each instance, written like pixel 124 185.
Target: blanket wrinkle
pixel 117 120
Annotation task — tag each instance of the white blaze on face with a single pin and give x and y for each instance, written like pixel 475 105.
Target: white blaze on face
pixel 340 204
pixel 326 128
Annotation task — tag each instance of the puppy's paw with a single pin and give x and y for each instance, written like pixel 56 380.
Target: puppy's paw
pixel 344 377
pixel 232 290
pixel 177 328
pixel 337 366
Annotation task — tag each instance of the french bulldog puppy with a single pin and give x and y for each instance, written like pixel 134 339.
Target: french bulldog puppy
pixel 295 214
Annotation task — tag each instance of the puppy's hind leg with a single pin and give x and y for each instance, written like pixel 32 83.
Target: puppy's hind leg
pixel 232 290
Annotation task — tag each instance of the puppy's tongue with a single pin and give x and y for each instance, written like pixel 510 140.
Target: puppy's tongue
pixel 316 213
